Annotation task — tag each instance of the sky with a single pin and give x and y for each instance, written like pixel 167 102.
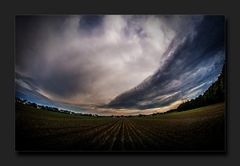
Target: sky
pixel 138 62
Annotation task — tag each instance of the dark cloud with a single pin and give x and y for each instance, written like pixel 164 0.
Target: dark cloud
pixel 89 22
pixel 92 59
pixel 197 61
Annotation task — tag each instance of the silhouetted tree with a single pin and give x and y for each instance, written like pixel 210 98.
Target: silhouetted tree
pixel 214 94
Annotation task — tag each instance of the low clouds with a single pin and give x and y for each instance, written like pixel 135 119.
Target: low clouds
pixel 194 62
pixel 93 59
pixel 83 59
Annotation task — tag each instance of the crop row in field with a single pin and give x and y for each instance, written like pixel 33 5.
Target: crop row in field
pixel 198 129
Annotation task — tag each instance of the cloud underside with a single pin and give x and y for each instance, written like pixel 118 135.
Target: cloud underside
pixel 194 64
pixel 139 61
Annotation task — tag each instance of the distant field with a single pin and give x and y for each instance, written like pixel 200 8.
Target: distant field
pixel 200 129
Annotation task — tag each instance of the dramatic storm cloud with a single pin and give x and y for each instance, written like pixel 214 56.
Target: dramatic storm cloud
pixel 194 63
pixel 93 59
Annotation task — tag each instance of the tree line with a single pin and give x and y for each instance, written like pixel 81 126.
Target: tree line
pixel 214 94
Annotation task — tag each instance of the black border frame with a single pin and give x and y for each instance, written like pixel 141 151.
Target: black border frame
pixel 135 152
pixel 228 8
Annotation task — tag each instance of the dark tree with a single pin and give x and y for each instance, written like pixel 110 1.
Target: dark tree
pixel 214 94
